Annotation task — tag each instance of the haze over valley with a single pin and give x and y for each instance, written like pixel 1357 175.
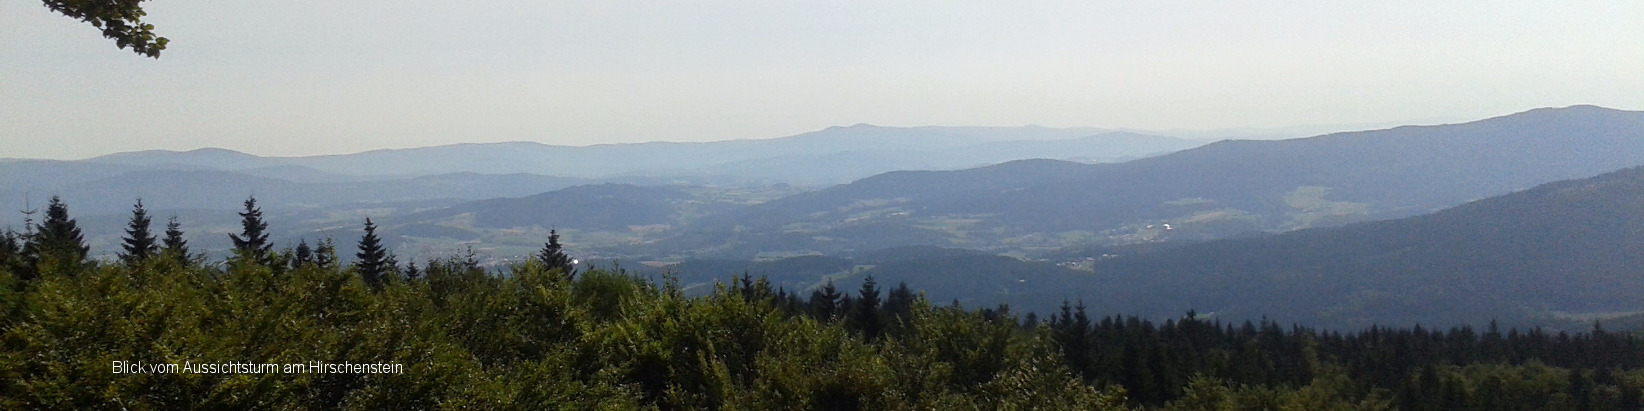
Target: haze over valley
pixel 1041 214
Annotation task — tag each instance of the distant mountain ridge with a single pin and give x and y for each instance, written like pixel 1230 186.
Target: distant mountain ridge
pixel 1227 187
pixel 327 195
pixel 1021 207
pixel 481 171
pixel 213 158
pixel 828 156
pixel 111 189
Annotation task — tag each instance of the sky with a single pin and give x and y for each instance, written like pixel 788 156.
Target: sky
pixel 308 77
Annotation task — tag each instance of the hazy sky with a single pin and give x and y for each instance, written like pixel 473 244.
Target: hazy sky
pixel 300 77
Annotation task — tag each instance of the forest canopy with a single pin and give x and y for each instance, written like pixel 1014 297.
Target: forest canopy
pixel 166 329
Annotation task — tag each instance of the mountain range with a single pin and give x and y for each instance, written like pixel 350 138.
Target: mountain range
pixel 1213 191
pixel 219 179
pixel 830 156
pixel 1522 218
pixel 1562 254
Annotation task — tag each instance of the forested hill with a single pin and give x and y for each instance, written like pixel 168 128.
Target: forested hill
pixel 1253 185
pixel 1573 249
pixel 599 206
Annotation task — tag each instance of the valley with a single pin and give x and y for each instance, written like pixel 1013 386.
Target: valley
pixel 1212 228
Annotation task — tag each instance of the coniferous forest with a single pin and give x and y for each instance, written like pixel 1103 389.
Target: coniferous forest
pixel 541 334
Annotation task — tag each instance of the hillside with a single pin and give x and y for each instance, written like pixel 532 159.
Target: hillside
pixel 971 277
pixel 896 188
pixel 1561 254
pixel 588 207
pixel 1230 187
pixel 1564 250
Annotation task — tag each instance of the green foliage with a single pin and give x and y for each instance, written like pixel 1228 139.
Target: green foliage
pixel 468 339
pixel 1333 392
pixel 530 337
pixel 120 20
pixel 1196 364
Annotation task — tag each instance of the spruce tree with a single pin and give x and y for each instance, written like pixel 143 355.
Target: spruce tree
pixel 304 255
pixel 140 243
pixel 825 302
pixel 866 316
pixel 325 256
pixel 252 243
pixel 372 264
pixel 412 272
pixel 743 286
pixel 175 245
pixel 899 303
pixel 470 261
pixel 58 244
pixel 553 256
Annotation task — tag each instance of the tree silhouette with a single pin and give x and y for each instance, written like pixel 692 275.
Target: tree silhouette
pixel 252 243
pixel 866 314
pixel 825 302
pixel 373 264
pixel 58 245
pixel 412 272
pixel 304 255
pixel 175 245
pixel 553 256
pixel 325 256
pixel 900 301
pixel 140 243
